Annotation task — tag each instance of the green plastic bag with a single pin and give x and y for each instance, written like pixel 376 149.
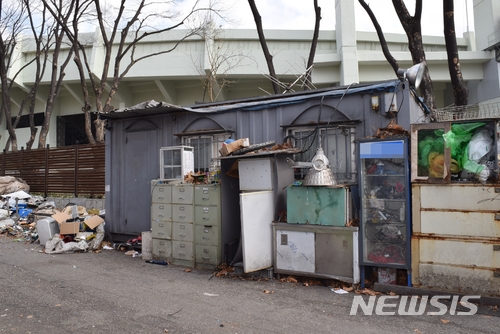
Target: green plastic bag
pixel 457 139
pixel 430 143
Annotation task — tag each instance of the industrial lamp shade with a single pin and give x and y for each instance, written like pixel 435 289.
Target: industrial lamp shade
pixel 414 74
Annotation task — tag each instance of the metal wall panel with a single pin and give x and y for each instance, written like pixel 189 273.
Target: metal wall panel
pixel 456 238
pixel 473 224
pixel 459 197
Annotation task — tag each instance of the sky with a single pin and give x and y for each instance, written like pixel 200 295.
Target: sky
pixel 299 14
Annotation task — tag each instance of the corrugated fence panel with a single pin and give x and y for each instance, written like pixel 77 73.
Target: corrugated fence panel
pixel 76 170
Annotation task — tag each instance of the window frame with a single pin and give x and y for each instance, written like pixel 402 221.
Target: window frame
pixel 347 176
pixel 216 140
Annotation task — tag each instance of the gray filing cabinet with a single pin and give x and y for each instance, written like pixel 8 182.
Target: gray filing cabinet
pixel 161 220
pixel 207 224
pixel 186 224
pixel 182 225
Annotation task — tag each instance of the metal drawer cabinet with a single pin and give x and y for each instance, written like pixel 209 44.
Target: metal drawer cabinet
pixel 182 194
pixel 161 230
pixel 161 211
pixel 162 249
pixel 160 192
pixel 182 213
pixel 207 235
pixel 207 195
pixel 207 256
pixel 207 215
pixel 182 250
pixel 182 231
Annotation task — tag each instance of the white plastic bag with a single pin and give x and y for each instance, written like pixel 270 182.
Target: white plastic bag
pixel 479 145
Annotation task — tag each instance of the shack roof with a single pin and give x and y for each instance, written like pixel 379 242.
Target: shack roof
pixel 152 107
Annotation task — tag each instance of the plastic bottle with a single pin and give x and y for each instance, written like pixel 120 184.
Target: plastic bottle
pixel 211 174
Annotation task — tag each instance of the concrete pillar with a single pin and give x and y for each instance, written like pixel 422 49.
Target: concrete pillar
pixel 346 41
pixel 486 23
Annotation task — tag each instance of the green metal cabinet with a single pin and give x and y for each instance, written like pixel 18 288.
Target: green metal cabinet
pixel 318 205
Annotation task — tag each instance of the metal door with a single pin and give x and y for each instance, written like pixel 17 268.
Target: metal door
pixel 256 229
pixel 140 167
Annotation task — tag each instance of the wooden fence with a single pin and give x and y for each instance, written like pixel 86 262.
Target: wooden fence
pixel 77 170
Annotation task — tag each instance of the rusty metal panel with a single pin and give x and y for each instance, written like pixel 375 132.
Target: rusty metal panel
pixel 459 279
pixel 470 224
pixel 459 253
pixel 460 197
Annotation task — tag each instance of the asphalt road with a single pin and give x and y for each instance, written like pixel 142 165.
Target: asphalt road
pixel 110 292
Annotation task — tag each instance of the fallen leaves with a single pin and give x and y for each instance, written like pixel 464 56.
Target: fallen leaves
pixel 268 291
pixel 187 270
pixel 445 321
pixel 367 291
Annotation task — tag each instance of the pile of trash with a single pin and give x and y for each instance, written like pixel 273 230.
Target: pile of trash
pixel 32 219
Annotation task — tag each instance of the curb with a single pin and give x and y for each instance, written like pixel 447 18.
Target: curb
pixel 410 290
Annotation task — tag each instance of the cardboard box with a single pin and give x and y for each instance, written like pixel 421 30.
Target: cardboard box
pixel 69 228
pixel 235 145
pixel 93 221
pixel 65 227
pixel 61 217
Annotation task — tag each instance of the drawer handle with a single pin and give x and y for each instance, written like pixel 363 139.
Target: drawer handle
pixel 182 246
pixel 205 250
pixel 181 235
pixel 182 216
pixel 161 215
pixel 161 232
pixel 205 198
pixel 182 198
pixel 207 226
pixel 206 238
pixel 161 197
pixel 205 218
pixel 205 258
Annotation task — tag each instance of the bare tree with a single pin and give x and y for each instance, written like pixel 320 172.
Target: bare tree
pixel 218 61
pixel 120 30
pixel 47 40
pixel 460 91
pixel 13 23
pixel 267 53
pixel 412 27
pixel 314 44
pixel 262 38
pixel 413 30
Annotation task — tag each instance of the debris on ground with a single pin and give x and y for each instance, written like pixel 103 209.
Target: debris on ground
pixel 28 218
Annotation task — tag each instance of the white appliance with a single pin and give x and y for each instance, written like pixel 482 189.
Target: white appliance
pixel 46 228
pixel 257 210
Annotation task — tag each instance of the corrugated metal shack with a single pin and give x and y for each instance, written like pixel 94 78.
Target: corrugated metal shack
pixel 342 114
